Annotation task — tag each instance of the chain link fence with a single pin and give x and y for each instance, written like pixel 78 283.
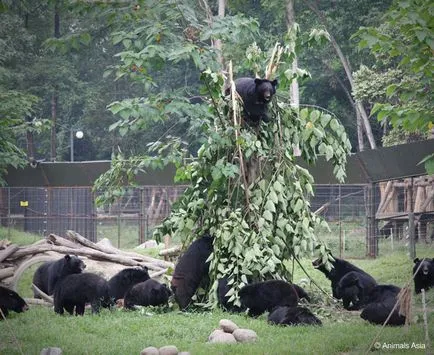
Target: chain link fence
pixel 127 223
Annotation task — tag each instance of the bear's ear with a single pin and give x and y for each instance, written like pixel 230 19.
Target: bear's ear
pixel 258 81
pixel 416 260
pixel 67 257
pixel 274 83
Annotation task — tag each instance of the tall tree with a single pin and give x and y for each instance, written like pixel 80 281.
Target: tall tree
pixel 362 116
pixel 403 48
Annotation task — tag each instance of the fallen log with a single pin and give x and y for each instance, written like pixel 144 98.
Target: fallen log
pixel 6 272
pixel 37 301
pixel 10 249
pixel 43 295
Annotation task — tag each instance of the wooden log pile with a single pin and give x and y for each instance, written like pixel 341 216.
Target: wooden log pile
pixel 14 259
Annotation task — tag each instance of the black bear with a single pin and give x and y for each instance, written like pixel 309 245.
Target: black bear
pixel 147 293
pixel 223 300
pixel 353 288
pixel 266 295
pixel 76 290
pixel 11 301
pixel 285 315
pixel 256 94
pixel 380 303
pixel 339 268
pixel 120 283
pixel 424 279
pixel 191 270
pixel 48 274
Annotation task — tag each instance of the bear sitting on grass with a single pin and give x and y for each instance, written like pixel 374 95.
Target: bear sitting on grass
pixel 191 270
pixel 424 279
pixel 147 293
pixel 120 283
pixel 339 269
pixel 11 301
pixel 256 94
pixel 354 288
pixel 48 274
pixel 75 290
pixel 265 296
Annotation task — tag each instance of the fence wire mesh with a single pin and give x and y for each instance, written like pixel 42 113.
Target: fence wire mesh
pixel 356 228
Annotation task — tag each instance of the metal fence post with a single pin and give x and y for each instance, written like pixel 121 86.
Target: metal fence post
pixel 411 236
pixel 141 215
pixel 371 235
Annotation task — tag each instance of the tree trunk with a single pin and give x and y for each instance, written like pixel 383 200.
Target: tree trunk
pixel 218 42
pixel 54 98
pixel 294 92
pixel 345 63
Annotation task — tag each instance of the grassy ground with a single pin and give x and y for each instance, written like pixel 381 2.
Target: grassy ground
pixel 121 332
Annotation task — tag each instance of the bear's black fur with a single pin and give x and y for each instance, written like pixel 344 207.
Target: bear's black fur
pixel 256 94
pixel 353 288
pixel 285 315
pixel 380 303
pixel 48 274
pixel 222 289
pixel 120 283
pixel 265 296
pixel 11 301
pixel 340 268
pixel 76 290
pixel 191 270
pixel 147 293
pixel 424 279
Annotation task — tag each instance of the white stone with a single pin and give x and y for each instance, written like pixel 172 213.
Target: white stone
pixel 150 350
pixel 168 350
pixel 227 325
pixel 51 351
pixel 245 335
pixel 219 336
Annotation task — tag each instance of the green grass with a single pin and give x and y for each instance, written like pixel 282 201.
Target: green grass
pixel 121 332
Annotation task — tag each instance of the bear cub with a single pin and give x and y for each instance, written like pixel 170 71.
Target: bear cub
pixel 147 293
pixel 75 290
pixel 120 283
pixel 284 315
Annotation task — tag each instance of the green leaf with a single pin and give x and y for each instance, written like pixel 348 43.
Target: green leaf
pixel 268 215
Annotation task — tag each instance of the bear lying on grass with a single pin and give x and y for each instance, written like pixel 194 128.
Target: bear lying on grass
pixel 285 315
pixel 265 296
pixel 11 301
pixel 120 283
pixel 48 274
pixel 424 279
pixel 223 300
pixel 191 270
pixel 147 293
pixel 75 290
pixel 380 303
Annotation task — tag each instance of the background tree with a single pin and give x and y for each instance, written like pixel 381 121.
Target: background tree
pixel 403 71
